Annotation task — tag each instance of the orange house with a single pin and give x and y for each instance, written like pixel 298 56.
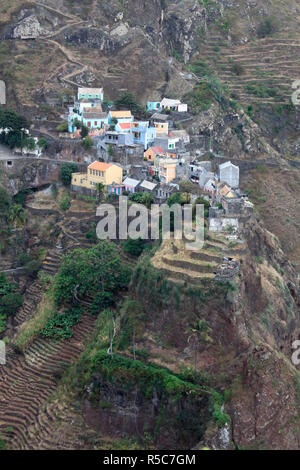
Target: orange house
pixel 151 153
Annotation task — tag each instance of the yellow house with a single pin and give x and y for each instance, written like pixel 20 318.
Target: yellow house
pixel 98 172
pixel 161 127
pixel 167 169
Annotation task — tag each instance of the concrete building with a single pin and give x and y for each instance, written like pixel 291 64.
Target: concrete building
pixel 90 93
pixel 120 116
pixel 143 134
pixel 97 172
pixel 147 187
pixel 131 185
pixel 118 138
pixel 230 174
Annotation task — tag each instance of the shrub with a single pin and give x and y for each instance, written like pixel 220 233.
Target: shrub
pixel 238 69
pixel 65 203
pixel 267 27
pixel 84 131
pixel 32 267
pixel 43 143
pixel 87 143
pixel 66 171
pixel 63 127
pixel 134 247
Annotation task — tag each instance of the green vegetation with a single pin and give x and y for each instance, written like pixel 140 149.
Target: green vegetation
pixel 238 69
pixel 142 198
pixel 65 202
pixel 43 143
pixel 97 272
pixel 128 101
pixel 66 171
pixel 11 216
pixel 10 300
pixel 262 90
pixel 134 247
pixel 219 415
pixel 179 198
pixel 87 143
pixel 151 285
pixel 60 326
pixel 16 125
pixel 267 27
pixel 200 98
pixel 63 127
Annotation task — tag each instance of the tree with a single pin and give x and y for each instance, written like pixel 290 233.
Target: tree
pixel 128 101
pixel 98 270
pixel 15 126
pixel 63 127
pixel 16 216
pixel 134 247
pixel 100 188
pixel 142 198
pixel 10 299
pixel 43 143
pixel 84 132
pixel 66 171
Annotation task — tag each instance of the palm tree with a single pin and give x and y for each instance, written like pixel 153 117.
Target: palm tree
pixel 16 216
pixel 100 190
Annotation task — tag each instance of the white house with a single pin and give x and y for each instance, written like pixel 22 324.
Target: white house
pixel 230 174
pixel 173 105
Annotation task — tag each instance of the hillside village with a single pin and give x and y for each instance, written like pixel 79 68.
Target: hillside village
pixel 149 343
pixel 164 160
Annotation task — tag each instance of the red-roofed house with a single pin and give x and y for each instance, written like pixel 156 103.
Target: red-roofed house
pixel 151 153
pixel 123 126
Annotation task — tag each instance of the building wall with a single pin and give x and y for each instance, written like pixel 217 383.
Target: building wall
pixel 221 223
pixel 149 155
pixel 88 180
pixel 95 123
pixel 153 105
pixel 87 96
pixel 161 127
pixel 182 108
pixel 230 175
pixel 113 174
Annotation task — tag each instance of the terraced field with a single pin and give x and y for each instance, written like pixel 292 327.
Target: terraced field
pixel 182 265
pixel 263 64
pixel 29 379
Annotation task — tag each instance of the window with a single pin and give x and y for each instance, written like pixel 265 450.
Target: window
pixel 89 123
pixel 96 123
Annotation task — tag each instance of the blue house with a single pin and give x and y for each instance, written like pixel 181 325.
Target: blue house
pixel 153 105
pixel 143 134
